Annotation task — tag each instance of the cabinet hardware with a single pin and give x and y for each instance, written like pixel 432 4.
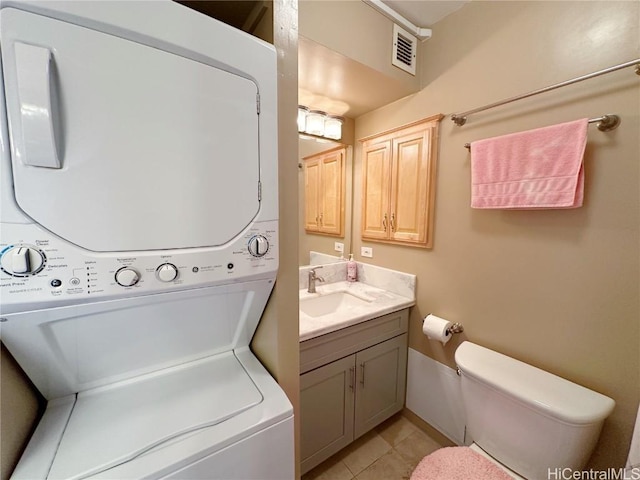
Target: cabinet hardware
pixel 393 222
pixel 352 373
pixel 384 222
pixel 362 374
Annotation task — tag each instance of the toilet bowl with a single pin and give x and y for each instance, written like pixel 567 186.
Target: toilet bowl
pixel 520 421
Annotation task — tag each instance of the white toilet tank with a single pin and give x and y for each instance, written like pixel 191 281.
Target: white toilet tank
pixel 528 419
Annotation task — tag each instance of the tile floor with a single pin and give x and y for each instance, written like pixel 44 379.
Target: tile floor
pixel 390 452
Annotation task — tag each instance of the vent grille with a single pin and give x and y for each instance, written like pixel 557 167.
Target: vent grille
pixel 404 50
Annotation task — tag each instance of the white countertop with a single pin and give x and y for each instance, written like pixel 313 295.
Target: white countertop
pixel 379 302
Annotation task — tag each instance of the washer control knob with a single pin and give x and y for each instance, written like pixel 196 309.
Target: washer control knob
pixel 258 245
pixel 167 272
pixel 22 260
pixel 127 277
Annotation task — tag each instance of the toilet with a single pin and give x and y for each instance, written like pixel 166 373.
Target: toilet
pixel 526 422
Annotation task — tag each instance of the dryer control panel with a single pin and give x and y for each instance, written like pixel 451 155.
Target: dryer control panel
pixel 39 270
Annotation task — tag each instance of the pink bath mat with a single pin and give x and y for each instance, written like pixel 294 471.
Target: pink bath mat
pixel 457 463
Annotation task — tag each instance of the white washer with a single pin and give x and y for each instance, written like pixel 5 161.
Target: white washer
pixel 138 240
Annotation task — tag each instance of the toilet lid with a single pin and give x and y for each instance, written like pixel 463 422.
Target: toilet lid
pixel 112 425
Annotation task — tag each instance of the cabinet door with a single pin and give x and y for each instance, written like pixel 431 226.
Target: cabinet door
pixel 376 161
pixel 311 193
pixel 381 379
pixel 332 192
pixel 409 188
pixel 324 184
pixel 326 411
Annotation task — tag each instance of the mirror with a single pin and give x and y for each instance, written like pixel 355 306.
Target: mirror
pixel 323 244
pixel 338 85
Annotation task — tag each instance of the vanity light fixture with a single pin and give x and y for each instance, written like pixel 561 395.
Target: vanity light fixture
pixel 333 127
pixel 302 118
pixel 315 123
pixel 319 124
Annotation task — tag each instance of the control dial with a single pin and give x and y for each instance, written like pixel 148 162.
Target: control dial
pixel 258 245
pixel 22 260
pixel 167 272
pixel 127 277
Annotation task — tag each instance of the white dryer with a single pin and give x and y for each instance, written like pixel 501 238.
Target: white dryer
pixel 138 240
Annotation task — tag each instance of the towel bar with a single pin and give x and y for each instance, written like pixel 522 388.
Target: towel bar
pixel 461 118
pixel 605 123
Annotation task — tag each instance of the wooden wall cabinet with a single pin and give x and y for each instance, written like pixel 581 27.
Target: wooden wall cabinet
pixel 324 192
pixel 349 395
pixel 398 184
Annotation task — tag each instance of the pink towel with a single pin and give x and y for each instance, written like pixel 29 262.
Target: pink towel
pixel 540 168
pixel 457 463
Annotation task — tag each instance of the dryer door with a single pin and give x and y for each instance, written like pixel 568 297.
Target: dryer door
pixel 119 146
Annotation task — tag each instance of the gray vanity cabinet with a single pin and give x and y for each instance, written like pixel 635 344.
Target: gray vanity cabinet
pixel 346 396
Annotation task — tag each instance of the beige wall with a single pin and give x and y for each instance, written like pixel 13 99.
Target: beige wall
pixel 558 289
pixel 277 337
pixel 19 410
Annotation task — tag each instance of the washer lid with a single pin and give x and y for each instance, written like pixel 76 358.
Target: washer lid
pixel 540 390
pixel 112 425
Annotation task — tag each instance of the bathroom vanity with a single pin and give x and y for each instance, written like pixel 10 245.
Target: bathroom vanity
pixel 351 380
pixel 353 362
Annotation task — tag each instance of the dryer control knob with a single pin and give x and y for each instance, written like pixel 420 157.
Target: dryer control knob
pixel 22 260
pixel 258 245
pixel 127 277
pixel 167 272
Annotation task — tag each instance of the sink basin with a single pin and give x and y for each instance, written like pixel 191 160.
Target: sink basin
pixel 330 303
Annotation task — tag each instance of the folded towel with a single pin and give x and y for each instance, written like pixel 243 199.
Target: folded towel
pixel 539 168
pixel 457 463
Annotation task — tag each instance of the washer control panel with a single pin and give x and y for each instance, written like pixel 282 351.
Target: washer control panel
pixel 39 270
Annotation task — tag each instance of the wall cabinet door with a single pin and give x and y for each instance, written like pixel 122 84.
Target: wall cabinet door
pixel 324 192
pixel 376 168
pixel 398 171
pixel 381 380
pixel 311 194
pixel 326 411
pixel 410 187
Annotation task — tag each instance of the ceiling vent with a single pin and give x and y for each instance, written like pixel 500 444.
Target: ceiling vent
pixel 405 46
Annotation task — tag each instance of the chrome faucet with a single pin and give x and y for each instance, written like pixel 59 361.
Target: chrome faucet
pixel 312 280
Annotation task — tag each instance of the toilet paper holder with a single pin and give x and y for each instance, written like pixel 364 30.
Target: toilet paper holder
pixel 455 328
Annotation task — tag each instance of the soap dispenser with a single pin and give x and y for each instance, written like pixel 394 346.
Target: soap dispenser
pixel 352 269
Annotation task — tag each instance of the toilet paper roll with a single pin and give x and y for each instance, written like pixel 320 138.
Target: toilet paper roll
pixel 436 328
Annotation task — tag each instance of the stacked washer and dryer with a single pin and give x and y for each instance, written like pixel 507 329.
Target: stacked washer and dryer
pixel 139 220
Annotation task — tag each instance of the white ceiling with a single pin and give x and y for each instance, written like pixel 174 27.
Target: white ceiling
pixel 424 13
